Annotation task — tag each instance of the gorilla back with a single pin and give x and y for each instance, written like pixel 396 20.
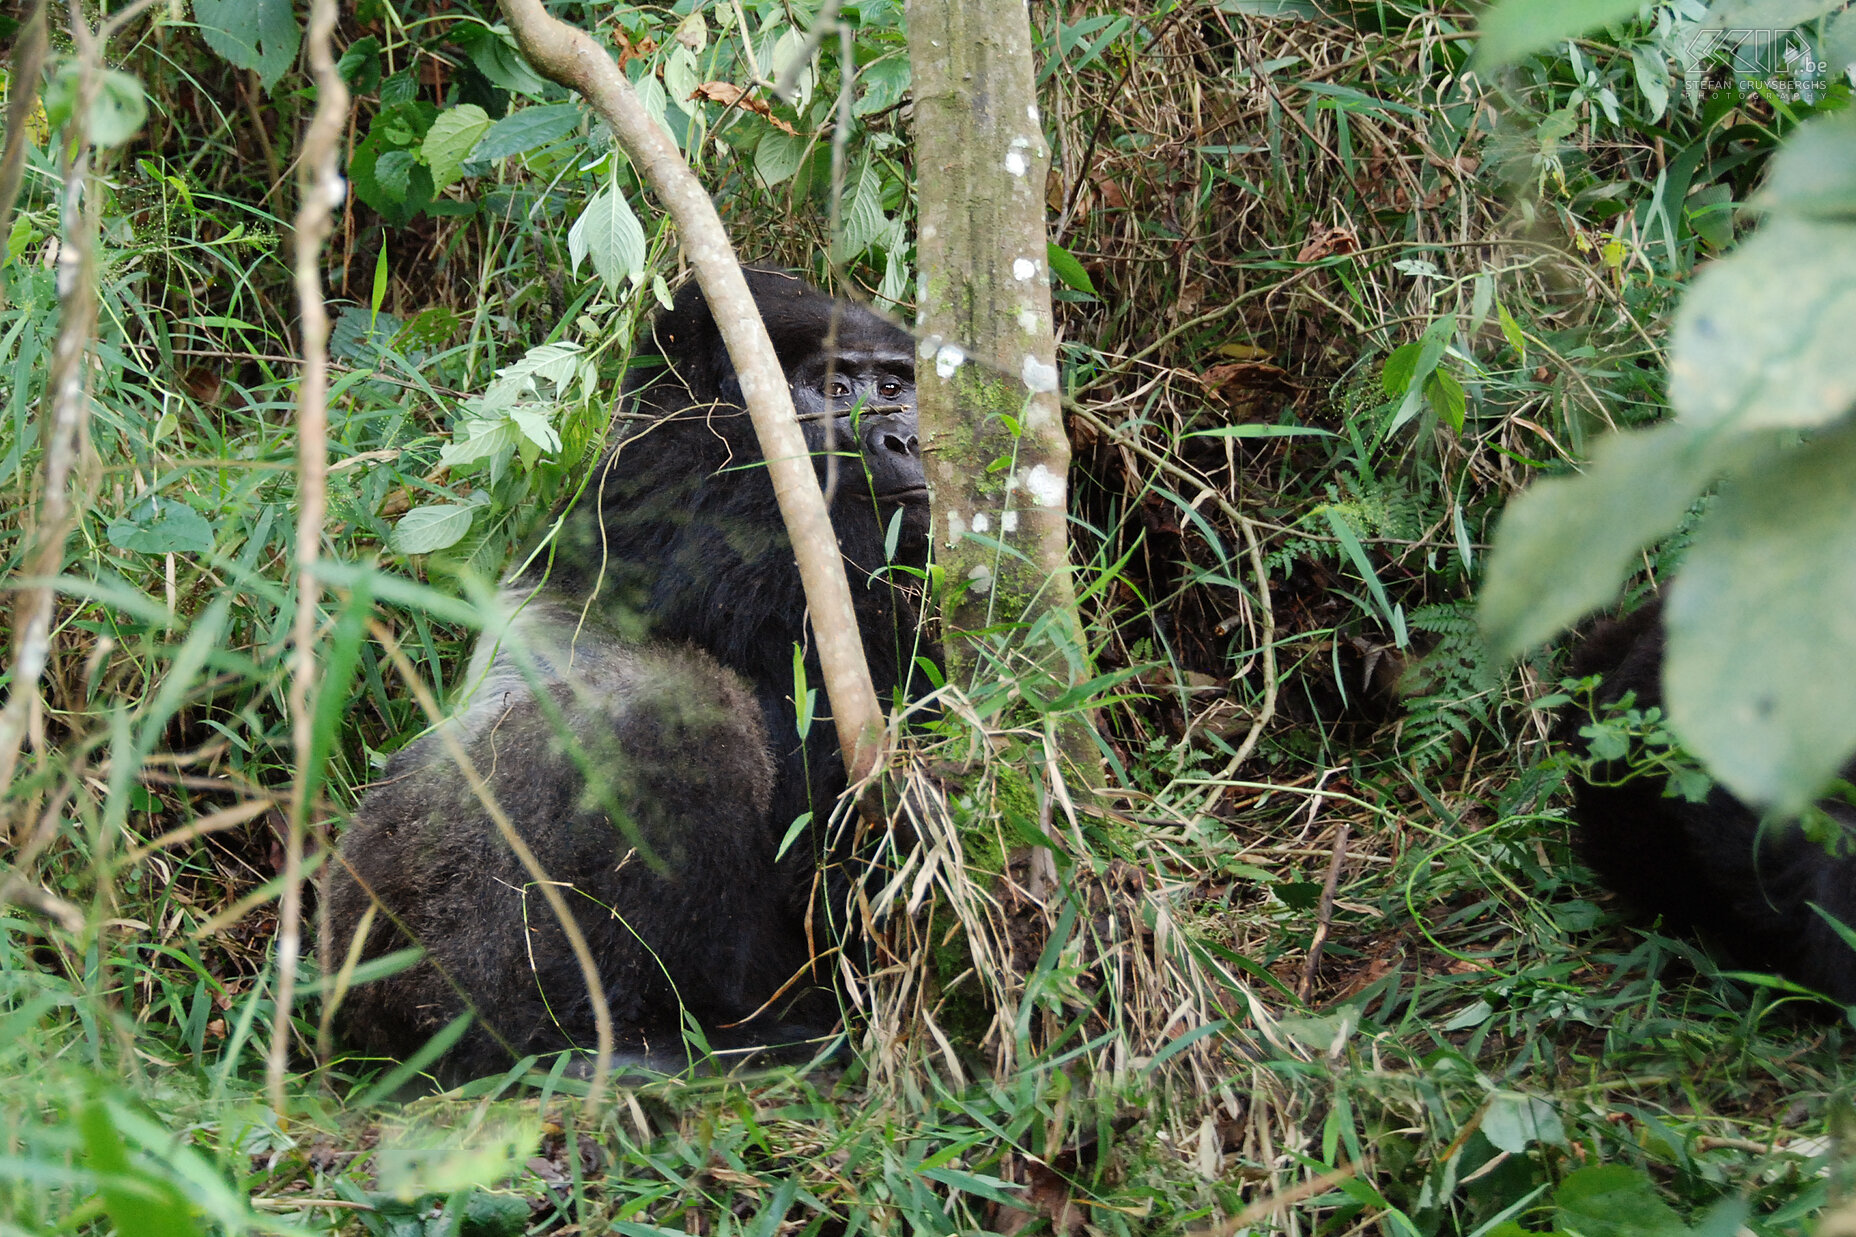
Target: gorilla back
pixel 1712 865
pixel 635 720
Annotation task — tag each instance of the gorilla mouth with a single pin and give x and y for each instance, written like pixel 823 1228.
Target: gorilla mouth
pixel 907 495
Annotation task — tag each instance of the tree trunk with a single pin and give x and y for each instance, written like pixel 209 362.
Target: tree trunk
pixel 992 429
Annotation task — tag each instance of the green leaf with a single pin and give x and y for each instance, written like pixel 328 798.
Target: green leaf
pixel 1513 1121
pixel 1511 29
pixel 681 79
pixel 448 143
pixel 1064 266
pixel 528 129
pixel 1766 15
pixel 778 156
pixel 884 84
pixel 862 219
pixel 1446 396
pixel 252 34
pixel 611 235
pixel 438 526
pixel 1755 349
pixel 119 110
pixel 1564 547
pixel 158 525
pixel 1610 1200
pixel 1757 686
pixel 1814 173
pixel 137 1201
pixel 493 51
pixel 115 115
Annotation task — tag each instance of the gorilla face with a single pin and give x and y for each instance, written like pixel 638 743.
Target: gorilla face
pixel 865 398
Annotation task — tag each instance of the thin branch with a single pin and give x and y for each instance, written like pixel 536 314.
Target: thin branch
pixel 575 60
pixel 66 429
pixel 319 192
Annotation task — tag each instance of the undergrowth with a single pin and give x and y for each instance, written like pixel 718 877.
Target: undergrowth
pixel 1316 959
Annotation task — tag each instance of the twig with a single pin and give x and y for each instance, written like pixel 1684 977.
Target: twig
pixel 1325 914
pixel 66 430
pixel 319 191
pixel 572 58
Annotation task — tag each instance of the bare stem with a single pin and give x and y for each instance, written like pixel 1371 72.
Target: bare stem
pixel 319 191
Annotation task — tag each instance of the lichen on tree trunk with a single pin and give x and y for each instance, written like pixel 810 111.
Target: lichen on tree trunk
pixel 992 428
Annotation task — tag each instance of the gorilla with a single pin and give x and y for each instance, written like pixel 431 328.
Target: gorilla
pixel 1711 866
pixel 636 720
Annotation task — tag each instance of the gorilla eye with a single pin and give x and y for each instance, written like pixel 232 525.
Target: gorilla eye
pixel 837 388
pixel 889 388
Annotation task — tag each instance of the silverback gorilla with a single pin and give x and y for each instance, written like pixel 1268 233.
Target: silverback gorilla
pixel 1710 865
pixel 636 722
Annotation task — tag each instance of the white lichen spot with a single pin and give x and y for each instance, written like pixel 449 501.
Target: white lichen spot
pixel 927 346
pixel 1028 321
pixel 956 527
pixel 1038 376
pixel 1008 521
pixel 1031 112
pixel 1044 486
pixel 981 522
pixel 1023 269
pixel 981 578
pixel 947 359
pixel 1016 161
pixel 929 231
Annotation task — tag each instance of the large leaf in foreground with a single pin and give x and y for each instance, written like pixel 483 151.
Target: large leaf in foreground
pixel 1756 350
pixel 1760 678
pixel 1565 546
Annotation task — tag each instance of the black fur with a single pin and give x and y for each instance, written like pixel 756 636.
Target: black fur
pixel 1710 866
pixel 660 764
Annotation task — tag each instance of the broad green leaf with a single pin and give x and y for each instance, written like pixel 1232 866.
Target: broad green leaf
pixel 861 220
pixel 777 157
pixel 534 426
pixel 1840 42
pixel 438 526
pixel 681 79
pixel 884 83
pixel 1064 266
pixel 1765 15
pixel 528 129
pixel 482 440
pixel 115 115
pixel 448 143
pixel 119 110
pixel 611 235
pixel 159 525
pixel 1610 1200
pixel 496 56
pixel 1511 29
pixel 1564 547
pixel 1759 622
pixel 1814 174
pixel 1751 351
pixel 1431 346
pixel 252 34
pixel 136 1200
pixel 788 54
pixel 1512 1121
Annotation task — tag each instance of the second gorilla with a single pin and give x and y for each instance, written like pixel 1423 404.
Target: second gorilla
pixel 636 722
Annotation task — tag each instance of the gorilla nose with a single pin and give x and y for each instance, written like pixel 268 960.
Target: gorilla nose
pixel 899 444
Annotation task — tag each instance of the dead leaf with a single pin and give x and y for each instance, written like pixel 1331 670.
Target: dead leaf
pixel 730 95
pixel 1327 242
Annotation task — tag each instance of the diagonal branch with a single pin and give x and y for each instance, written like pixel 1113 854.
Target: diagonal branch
pixel 574 59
